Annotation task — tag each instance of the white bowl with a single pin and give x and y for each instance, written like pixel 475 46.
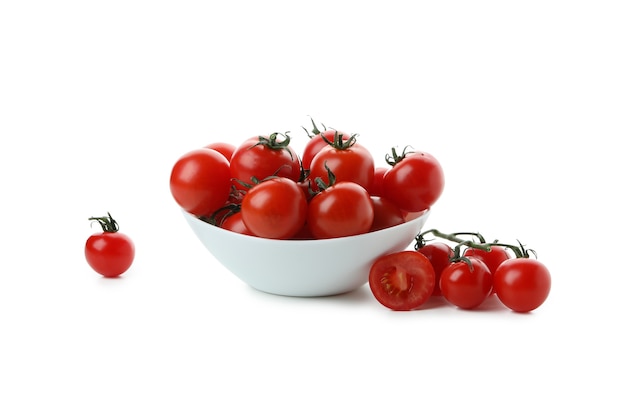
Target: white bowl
pixel 304 268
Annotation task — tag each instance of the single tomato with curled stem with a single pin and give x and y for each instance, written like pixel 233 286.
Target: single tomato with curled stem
pixel 348 160
pixel 415 180
pixel 109 253
pixel 261 157
pixel 402 281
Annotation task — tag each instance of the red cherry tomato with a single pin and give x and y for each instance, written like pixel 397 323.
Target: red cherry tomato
pixel 234 223
pixel 224 148
pixel 386 214
pixel 275 208
pixel 261 157
pixel 200 181
pixel 522 284
pixel 377 185
pixel 466 287
pixel 318 142
pixel 109 253
pixel 402 281
pixel 415 182
pixel 349 161
pixel 439 255
pixel 492 258
pixel 343 209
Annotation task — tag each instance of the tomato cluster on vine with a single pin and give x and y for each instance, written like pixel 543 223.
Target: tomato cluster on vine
pixel 333 188
pixel 465 275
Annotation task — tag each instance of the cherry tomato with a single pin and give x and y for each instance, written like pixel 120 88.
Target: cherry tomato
pixel 415 182
pixel 275 208
pixel 261 157
pixel 349 161
pixel 224 148
pixel 234 223
pixel 109 253
pixel 466 287
pixel 492 258
pixel 200 181
pixel 343 209
pixel 317 142
pixel 377 185
pixel 522 284
pixel 386 214
pixel 402 281
pixel 439 255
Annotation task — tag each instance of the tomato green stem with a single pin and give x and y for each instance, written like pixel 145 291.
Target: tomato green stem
pixel 454 237
pixel 107 223
pixel 519 250
pixel 394 158
pixel 315 130
pixel 339 142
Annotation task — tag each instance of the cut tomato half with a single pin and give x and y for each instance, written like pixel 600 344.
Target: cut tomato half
pixel 402 281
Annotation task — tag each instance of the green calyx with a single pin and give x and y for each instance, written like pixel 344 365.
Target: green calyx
pixel 276 141
pixel 314 130
pixel 107 223
pixel 339 142
pixel 395 158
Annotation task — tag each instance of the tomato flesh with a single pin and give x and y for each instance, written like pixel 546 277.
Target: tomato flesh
pixel 402 281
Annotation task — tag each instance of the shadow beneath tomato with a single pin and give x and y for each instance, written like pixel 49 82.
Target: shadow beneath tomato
pixel 492 303
pixel 435 301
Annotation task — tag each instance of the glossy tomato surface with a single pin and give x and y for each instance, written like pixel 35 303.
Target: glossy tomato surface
pixel 415 183
pixel 344 209
pixel 354 164
pixel 522 284
pixel 464 286
pixel 200 181
pixel 257 158
pixel 109 253
pixel 274 209
pixel 402 281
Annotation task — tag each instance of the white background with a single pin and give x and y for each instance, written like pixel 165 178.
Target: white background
pixel 523 103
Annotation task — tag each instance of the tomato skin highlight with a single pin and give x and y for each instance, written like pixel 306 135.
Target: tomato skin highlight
pixel 402 281
pixel 464 287
pixel 200 181
pixel 275 209
pixel 109 253
pixel 522 284
pixel 343 209
pixel 415 183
